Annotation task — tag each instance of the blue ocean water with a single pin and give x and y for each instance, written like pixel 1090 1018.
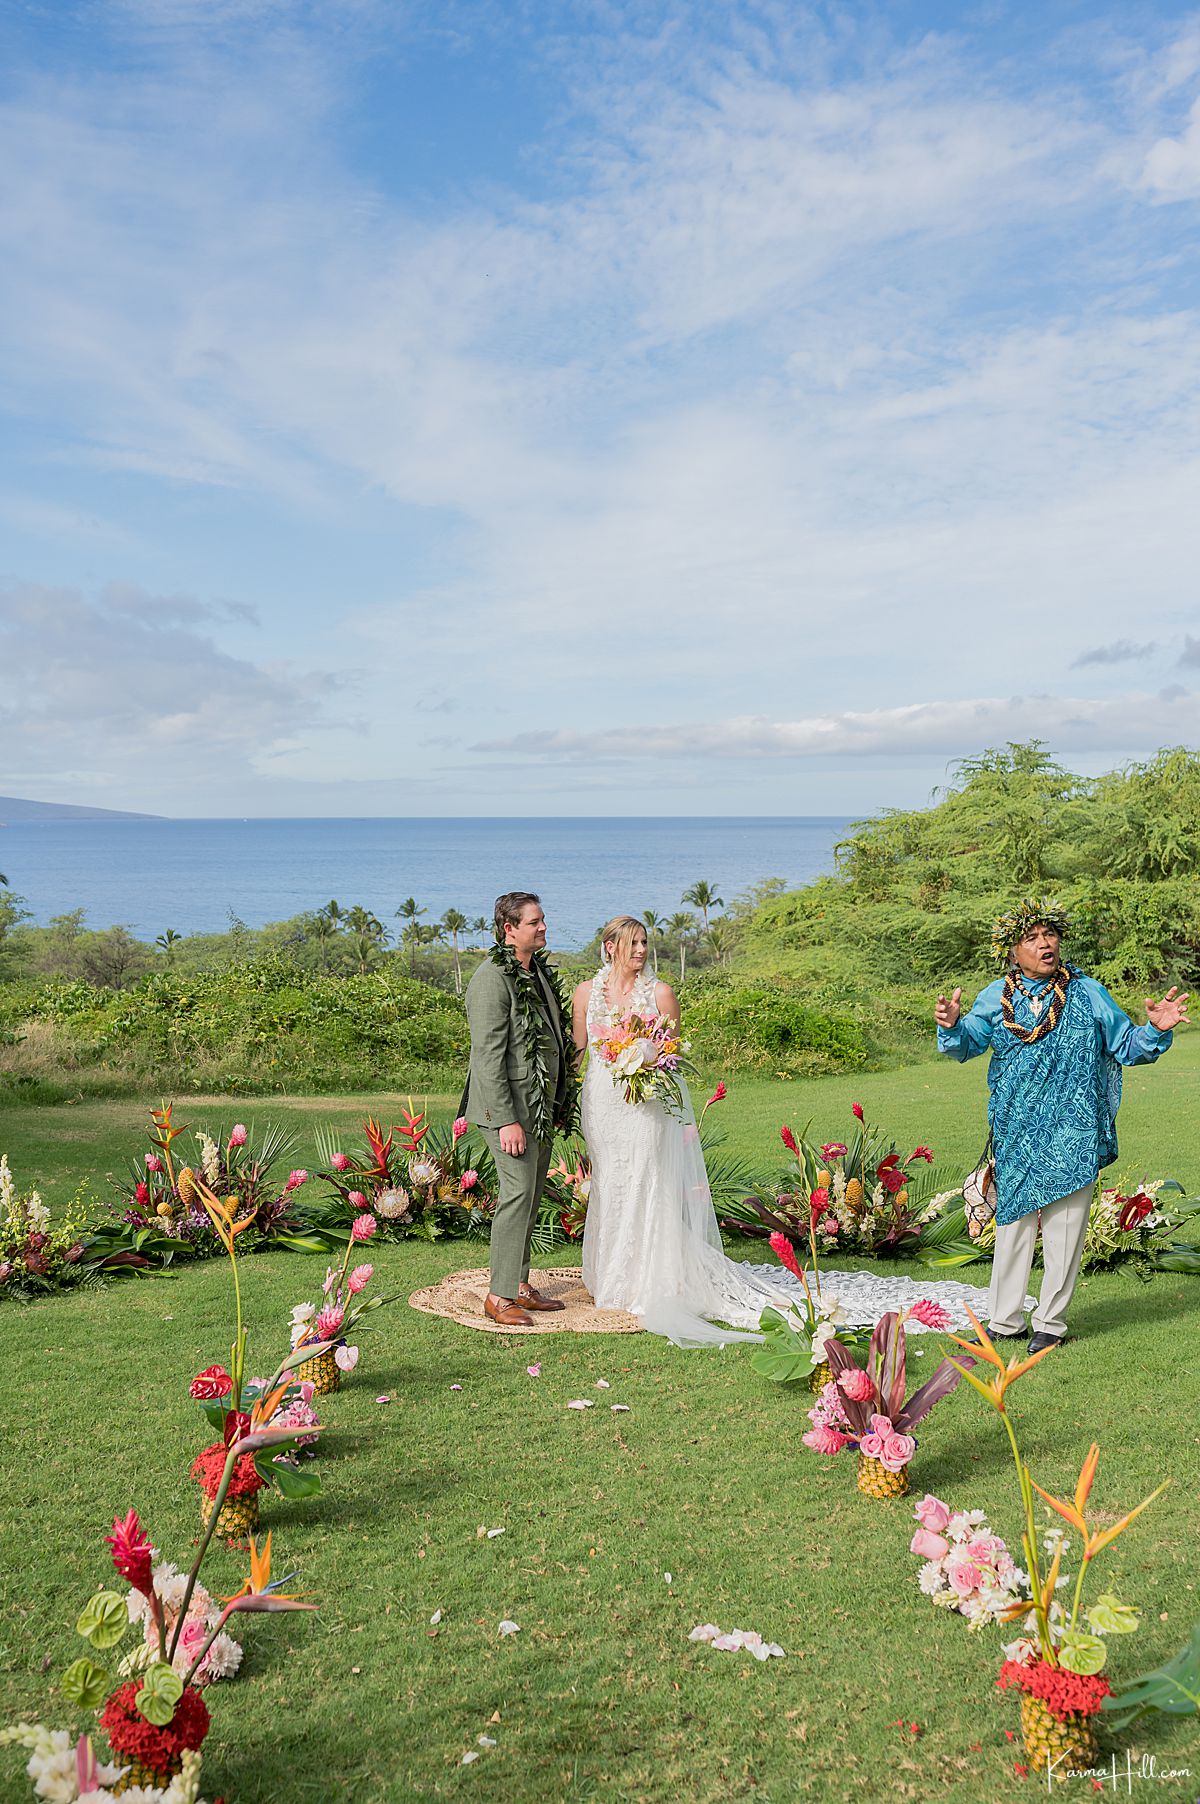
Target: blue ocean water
pixel 193 875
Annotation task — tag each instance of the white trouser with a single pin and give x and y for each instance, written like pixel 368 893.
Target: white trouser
pixel 1064 1225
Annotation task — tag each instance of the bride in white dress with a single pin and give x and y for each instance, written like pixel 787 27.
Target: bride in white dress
pixel 651 1244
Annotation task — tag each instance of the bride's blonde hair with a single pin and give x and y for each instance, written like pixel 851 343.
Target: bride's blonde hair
pixel 620 934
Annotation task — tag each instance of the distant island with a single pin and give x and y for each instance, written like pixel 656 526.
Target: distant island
pixel 13 808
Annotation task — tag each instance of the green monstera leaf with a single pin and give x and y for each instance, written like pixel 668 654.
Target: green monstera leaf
pixel 103 1619
pixel 85 1683
pixel 1108 1616
pixel 159 1694
pixel 1082 1653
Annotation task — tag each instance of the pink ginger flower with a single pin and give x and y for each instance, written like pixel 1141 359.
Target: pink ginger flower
pixel 357 1200
pixel 295 1179
pixel 781 1246
pixel 928 1546
pixel 834 1150
pixel 238 1136
pixel 460 1127
pixel 931 1314
pixel 824 1439
pixel 920 1152
pixel 142 1193
pixel 340 1162
pixel 932 1513
pixel 329 1322
pixel 468 1180
pixel 364 1227
pixel 359 1278
pixel 857 1384
pixel 856 1109
pixel 154 1163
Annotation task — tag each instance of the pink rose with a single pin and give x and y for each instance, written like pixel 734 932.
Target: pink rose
pixel 238 1136
pixel 872 1446
pixel 359 1278
pixel 898 1449
pixel 340 1162
pixel 931 1513
pixel 357 1200
pixel 460 1127
pixel 857 1384
pixel 984 1549
pixel 363 1228
pixel 468 1180
pixel 823 1439
pixel 928 1546
pixel 881 1424
pixel 963 1576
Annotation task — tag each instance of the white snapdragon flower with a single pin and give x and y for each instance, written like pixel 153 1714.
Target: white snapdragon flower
pixel 8 1188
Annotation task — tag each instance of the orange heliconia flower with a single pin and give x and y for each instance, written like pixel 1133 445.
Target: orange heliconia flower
pixel 994 1391
pixel 1073 1512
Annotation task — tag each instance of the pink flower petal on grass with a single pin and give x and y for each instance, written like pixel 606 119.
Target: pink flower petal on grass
pixel 534 1371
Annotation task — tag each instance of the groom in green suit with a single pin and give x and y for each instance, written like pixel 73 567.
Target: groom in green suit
pixel 521 1089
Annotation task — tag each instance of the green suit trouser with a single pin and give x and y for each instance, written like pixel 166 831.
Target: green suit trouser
pixel 521 1182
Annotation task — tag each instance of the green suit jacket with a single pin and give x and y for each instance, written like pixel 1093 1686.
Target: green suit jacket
pixel 501 1087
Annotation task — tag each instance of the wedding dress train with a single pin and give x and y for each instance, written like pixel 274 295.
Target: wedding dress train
pixel 651 1244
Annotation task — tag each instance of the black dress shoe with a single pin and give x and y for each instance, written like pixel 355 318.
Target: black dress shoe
pixel 978 1344
pixel 1039 1342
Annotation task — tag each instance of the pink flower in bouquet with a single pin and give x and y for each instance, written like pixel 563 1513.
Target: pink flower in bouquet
pixel 781 1246
pixel 920 1152
pixel 898 1449
pixel 460 1127
pixel 789 1139
pixel 295 1179
pixel 238 1136
pixel 359 1278
pixel 330 1281
pixel 963 1575
pixel 468 1180
pixel 340 1162
pixel 856 1109
pixel 131 1552
pixel 824 1439
pixel 834 1150
pixel 345 1358
pixel 818 1203
pixel 142 1193
pixel 932 1513
pixel 154 1163
pixel 931 1314
pixel 857 1384
pixel 357 1200
pixel 928 1546
pixel 329 1322
pixel 363 1228
pixel 210 1384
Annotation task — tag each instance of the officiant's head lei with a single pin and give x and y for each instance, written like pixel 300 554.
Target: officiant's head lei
pixel 621 934
pixel 1012 926
pixel 510 908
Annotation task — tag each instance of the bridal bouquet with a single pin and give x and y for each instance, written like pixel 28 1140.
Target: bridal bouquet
pixel 644 1054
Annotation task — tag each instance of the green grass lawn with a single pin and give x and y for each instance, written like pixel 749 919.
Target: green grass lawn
pixel 600 1695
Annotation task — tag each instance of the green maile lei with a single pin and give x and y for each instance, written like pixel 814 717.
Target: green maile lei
pixel 531 1013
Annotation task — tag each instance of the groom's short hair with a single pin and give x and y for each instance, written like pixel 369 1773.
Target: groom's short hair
pixel 509 909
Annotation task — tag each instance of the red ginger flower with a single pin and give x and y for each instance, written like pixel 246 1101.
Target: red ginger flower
pixel 856 1108
pixel 718 1095
pixel 789 1139
pixel 818 1203
pixel 920 1152
pixel 131 1737
pixel 781 1246
pixel 1063 1693
pixel 210 1384
pixel 931 1314
pixel 131 1553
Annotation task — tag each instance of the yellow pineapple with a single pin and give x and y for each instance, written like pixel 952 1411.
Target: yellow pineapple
pixel 238 1518
pixel 323 1373
pixel 1057 1743
pixel 140 1774
pixel 820 1377
pixel 874 1479
pixel 854 1196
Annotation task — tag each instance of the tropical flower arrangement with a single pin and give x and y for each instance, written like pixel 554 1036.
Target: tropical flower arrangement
pixel 865 1407
pixel 644 1055
pixel 161 1219
pixel 967 1567
pixel 416 1181
pixel 1057 1664
pixel 203 1630
pixel 37 1255
pixel 1137 1225
pixel 563 1205
pixel 867 1199
pixel 795 1341
pixel 320 1333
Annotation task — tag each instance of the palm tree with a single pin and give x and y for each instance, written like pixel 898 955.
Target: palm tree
pixel 334 913
pixel 703 896
pixel 483 927
pixel 410 914
pixel 654 927
pixel 166 942
pixel 455 923
pixel 322 929
pixel 720 940
pixel 370 934
pixel 681 927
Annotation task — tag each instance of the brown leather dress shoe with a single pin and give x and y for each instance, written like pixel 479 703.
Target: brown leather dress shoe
pixel 506 1312
pixel 529 1298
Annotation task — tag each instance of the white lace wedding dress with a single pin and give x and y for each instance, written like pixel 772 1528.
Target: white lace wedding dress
pixel 651 1244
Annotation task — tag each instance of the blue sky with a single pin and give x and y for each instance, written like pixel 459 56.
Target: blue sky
pixel 599 408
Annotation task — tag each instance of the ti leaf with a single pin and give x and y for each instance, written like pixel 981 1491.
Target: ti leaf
pixel 1173 1687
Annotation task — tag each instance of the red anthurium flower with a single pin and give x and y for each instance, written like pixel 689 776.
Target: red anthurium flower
pixel 789 1139
pixel 211 1383
pixel 131 1553
pixel 1136 1209
pixel 885 1164
pixel 237 1422
pixel 893 1180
